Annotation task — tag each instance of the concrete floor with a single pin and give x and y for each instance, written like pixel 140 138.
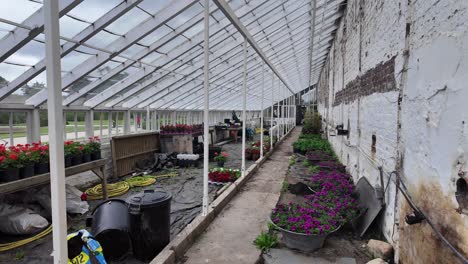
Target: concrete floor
pixel 229 239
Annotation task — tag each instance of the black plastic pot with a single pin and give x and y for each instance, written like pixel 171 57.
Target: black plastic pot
pixel 68 161
pixel 27 171
pixel 220 163
pixel 213 150
pixel 10 175
pixel 41 168
pixel 86 157
pixel 96 155
pixel 150 213
pixel 77 160
pixel 110 227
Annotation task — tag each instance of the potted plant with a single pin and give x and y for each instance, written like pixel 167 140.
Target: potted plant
pixel 10 166
pixel 68 145
pixel 95 144
pixel 248 153
pixel 222 175
pixel 42 165
pixel 77 153
pixel 87 150
pixel 255 153
pixel 221 158
pixel 305 227
pixel 27 157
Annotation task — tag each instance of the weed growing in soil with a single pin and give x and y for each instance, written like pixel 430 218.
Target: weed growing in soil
pixel 265 241
pixel 292 160
pixel 314 169
pixel 284 186
pixel 19 255
pixel 306 163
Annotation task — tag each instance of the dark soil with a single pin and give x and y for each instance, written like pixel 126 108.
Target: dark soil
pixel 186 190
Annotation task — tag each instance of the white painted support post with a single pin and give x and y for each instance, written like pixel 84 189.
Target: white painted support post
pixel 261 111
pixel 64 126
pixel 117 122
pixel 10 128
pixel 34 126
pixel 89 123
pixel 272 104
pixel 135 117
pixel 75 124
pixel 278 114
pixel 126 119
pixel 206 85
pixel 55 116
pixel 109 128
pixel 244 106
pixel 100 124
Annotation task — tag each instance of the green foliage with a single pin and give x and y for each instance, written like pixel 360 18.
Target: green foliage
pixel 265 241
pixel 284 186
pixel 314 169
pixel 303 145
pixel 292 160
pixel 19 255
pixel 306 163
pixel 312 123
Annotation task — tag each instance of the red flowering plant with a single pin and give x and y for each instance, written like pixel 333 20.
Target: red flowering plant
pixel 255 150
pixel 221 157
pixel 222 175
pixel 94 144
pixel 73 148
pixel 10 160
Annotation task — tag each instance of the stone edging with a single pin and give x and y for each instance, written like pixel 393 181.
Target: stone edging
pixel 182 242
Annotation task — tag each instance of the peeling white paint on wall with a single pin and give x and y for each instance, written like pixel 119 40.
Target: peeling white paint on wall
pixel 434 97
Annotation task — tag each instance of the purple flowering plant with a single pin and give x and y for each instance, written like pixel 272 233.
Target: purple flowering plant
pixel 331 165
pixel 331 180
pixel 312 219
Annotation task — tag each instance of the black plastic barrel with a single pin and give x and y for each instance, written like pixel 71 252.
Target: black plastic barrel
pixel 110 227
pixel 150 213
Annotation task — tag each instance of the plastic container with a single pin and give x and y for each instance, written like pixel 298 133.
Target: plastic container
pixel 150 213
pixel 187 160
pixel 110 226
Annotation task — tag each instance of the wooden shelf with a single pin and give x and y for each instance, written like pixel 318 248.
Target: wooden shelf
pixel 24 184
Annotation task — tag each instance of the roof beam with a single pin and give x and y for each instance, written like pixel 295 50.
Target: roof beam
pixel 176 52
pixel 29 29
pixel 68 47
pixel 172 10
pixel 229 13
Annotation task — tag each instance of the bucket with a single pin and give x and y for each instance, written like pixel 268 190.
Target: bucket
pixel 150 213
pixel 110 226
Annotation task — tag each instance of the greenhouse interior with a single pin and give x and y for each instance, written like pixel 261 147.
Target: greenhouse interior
pixel 233 131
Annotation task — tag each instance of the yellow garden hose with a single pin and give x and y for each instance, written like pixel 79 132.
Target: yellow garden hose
pixel 113 189
pixel 95 193
pixel 120 188
pixel 12 245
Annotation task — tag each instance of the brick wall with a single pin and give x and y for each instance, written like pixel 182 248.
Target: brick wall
pixel 379 79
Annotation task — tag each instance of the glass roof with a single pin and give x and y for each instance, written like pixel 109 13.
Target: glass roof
pixel 145 53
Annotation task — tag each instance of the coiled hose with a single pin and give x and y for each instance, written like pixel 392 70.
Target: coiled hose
pixel 95 193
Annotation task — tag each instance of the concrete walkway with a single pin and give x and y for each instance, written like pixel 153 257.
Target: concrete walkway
pixel 229 238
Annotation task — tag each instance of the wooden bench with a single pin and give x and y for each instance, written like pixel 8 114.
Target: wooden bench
pixel 96 166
